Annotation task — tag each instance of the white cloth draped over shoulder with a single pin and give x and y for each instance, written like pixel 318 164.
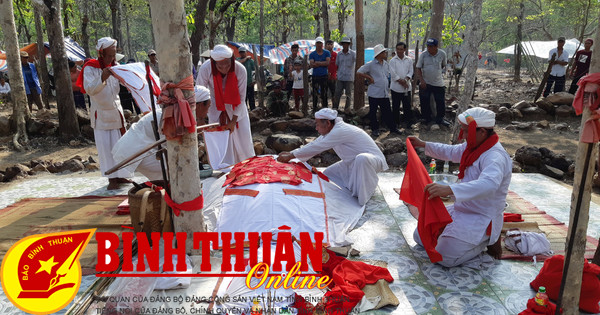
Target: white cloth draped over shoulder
pixel 361 158
pixel 133 77
pixel 241 139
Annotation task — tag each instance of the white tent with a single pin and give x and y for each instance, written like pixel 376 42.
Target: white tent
pixel 542 48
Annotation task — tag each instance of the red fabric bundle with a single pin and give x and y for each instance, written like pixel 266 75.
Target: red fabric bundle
pixel 267 170
pixel 534 309
pixel 231 94
pixel 179 117
pixel 349 277
pixel 550 277
pixel 591 128
pixel 513 217
pixel 433 216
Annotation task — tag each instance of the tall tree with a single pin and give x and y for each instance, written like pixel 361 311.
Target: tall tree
pixel 231 19
pixel 399 33
pixel 325 15
pixel 343 11
pixel 437 20
pixel 19 97
pixel 198 32
pixel 85 37
pixel 42 65
pixel 215 16
pixel 170 27
pixel 23 25
pixel 359 86
pixel 518 48
pixel 115 13
pixel 388 13
pixel 68 126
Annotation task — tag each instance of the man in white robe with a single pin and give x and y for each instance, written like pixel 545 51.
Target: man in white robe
pixel 141 134
pixel 480 197
pixel 222 66
pixel 106 113
pixel 361 158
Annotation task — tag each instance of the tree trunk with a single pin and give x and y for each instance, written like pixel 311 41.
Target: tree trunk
pixel 198 32
pixel 437 20
pixel 325 15
pixel 65 15
pixel 318 28
pixel 129 51
pixel 13 60
pixel 399 34
pixel 85 37
pixel 359 85
pixel 261 68
pixel 407 37
pixel 152 25
pixel 42 65
pixel 215 20
pixel 388 14
pixel 115 12
pixel 518 48
pixel 170 27
pixel 68 126
pixel 23 23
pixel 230 28
pixel 341 18
pixel 472 41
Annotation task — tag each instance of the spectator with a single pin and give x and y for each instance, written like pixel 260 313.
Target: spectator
pixel 277 101
pixel 153 61
pixel 583 58
pixel 345 62
pixel 298 87
pixel 32 82
pixel 401 68
pixel 331 69
pixel 77 95
pixel 288 69
pixel 377 71
pixel 4 89
pixel 248 63
pixel 557 75
pixel 430 67
pixel 319 61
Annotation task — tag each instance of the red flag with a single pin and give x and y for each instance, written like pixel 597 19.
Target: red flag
pixel 433 216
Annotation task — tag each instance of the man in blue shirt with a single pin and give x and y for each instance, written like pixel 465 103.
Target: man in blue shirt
pixel 319 61
pixel 32 82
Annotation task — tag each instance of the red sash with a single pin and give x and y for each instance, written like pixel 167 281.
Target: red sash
pixel 472 153
pixel 231 94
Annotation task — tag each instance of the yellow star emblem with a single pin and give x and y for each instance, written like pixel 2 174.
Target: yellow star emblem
pixel 47 265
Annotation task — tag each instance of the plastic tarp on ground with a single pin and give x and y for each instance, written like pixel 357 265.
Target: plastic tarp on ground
pixel 542 48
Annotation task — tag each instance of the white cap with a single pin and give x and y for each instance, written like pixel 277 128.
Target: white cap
pixel 105 42
pixel 378 50
pixel 221 52
pixel 326 113
pixel 319 39
pixel 483 117
pixel 202 93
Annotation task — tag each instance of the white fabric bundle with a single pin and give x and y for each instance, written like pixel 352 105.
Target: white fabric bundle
pixel 527 243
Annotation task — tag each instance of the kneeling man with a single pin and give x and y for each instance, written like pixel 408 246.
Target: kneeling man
pixel 361 158
pixel 480 196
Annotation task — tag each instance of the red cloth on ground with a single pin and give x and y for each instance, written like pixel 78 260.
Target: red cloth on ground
pixel 349 277
pixel 550 277
pixel 231 94
pixel 178 116
pixel 472 153
pixel 591 128
pixel 303 307
pixel 513 217
pixel 433 216
pixel 267 170
pixel 535 309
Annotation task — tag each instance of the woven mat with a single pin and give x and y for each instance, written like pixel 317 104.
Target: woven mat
pixel 50 215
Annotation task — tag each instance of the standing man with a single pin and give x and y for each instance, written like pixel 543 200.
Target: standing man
pixel 319 61
pixel 331 69
pixel 377 71
pixel 583 59
pixel 361 158
pixel 401 68
pixel 248 63
pixel 106 113
pixel 345 63
pixel 32 82
pixel 226 80
pixel 153 61
pixel 288 69
pixel 559 68
pixel 430 67
pixel 485 172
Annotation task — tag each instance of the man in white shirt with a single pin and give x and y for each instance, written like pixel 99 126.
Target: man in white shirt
pixel 559 68
pixel 480 197
pixel 4 89
pixel 361 158
pixel 401 68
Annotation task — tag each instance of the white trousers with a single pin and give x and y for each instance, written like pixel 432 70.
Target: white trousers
pixel 359 176
pixel 105 140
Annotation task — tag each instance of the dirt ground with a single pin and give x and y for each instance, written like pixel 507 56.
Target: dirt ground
pixel 494 87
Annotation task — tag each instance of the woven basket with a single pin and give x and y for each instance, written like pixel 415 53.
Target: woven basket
pixel 149 211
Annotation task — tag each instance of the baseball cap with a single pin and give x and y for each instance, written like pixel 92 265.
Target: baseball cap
pixel 24 54
pixel 242 49
pixel 319 39
pixel 151 52
pixel 561 39
pixel 432 42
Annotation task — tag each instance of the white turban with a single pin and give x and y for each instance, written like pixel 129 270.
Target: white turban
pixel 483 117
pixel 202 93
pixel 105 42
pixel 221 52
pixel 326 113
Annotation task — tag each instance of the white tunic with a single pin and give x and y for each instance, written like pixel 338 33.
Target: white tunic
pixel 106 112
pixel 349 142
pixel 241 139
pixel 480 196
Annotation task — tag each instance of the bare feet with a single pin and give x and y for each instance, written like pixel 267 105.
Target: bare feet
pixel 495 250
pixel 113 184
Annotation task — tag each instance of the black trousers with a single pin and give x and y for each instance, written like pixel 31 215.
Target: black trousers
pixel 386 113
pixel 250 96
pixel 406 107
pixel 439 94
pixel 559 84
pixel 573 88
pixel 319 86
